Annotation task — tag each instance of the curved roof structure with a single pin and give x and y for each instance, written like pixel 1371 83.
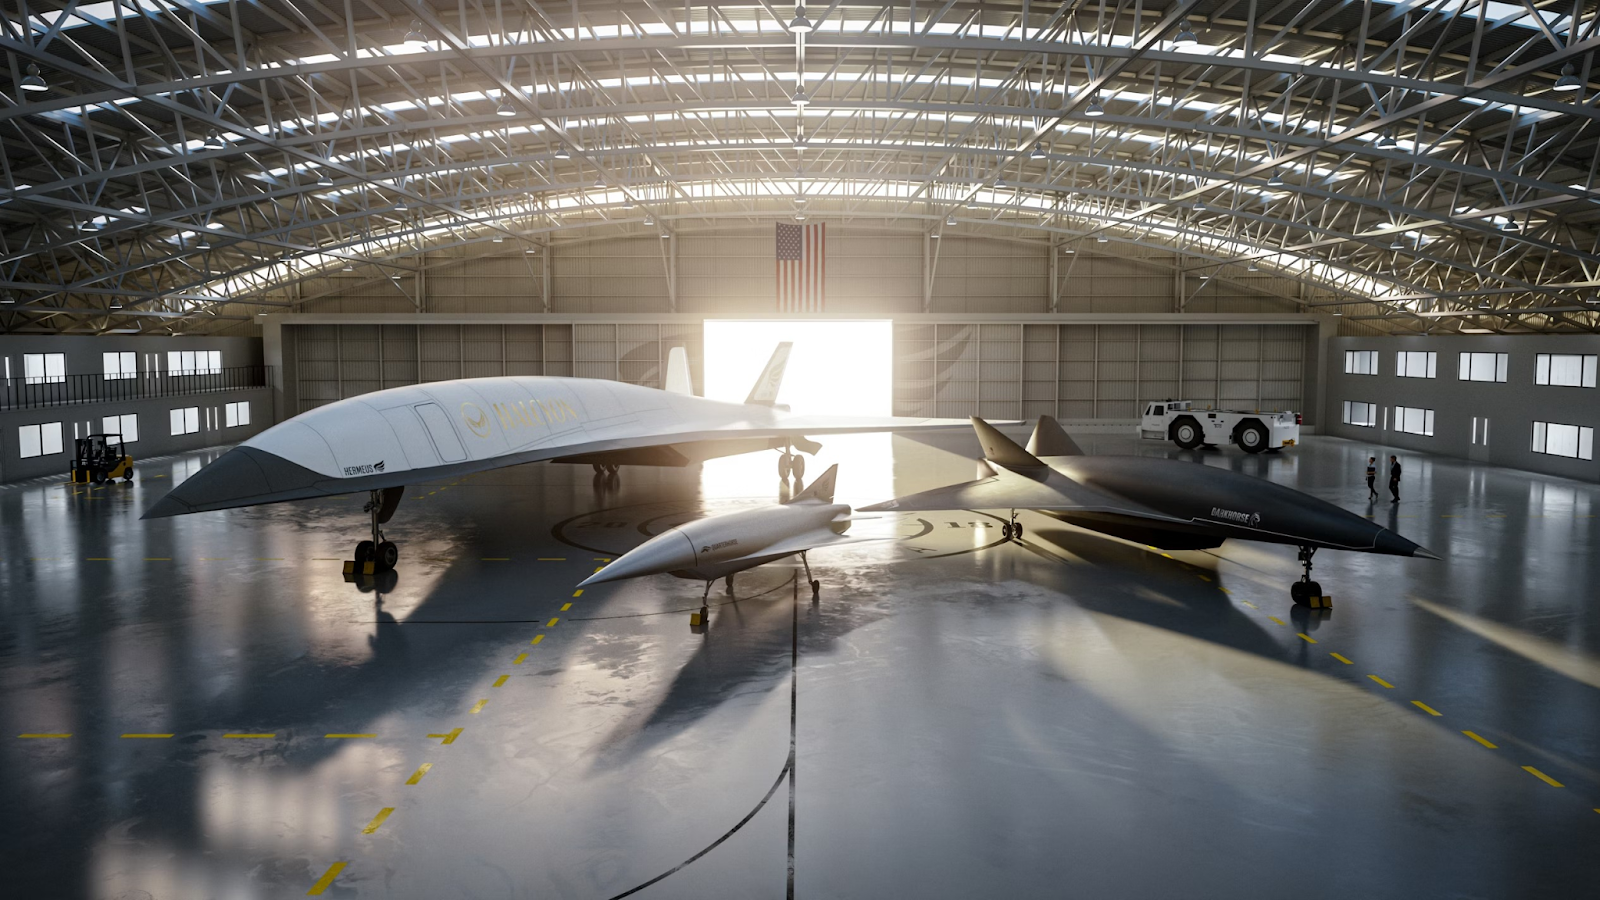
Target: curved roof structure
pixel 1420 166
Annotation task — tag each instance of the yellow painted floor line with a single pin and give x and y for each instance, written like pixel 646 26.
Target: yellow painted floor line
pixel 1426 708
pixel 1341 658
pixel 598 569
pixel 478 707
pixel 1276 619
pixel 519 659
pixel 326 879
pixel 326 559
pixel 1381 681
pixel 602 559
pixel 450 736
pixel 566 606
pixel 579 591
pixel 269 559
pixel 501 680
pixel 46 735
pixel 152 736
pixel 1306 637
pixel 496 559
pixel 536 639
pixel 552 623
pixel 416 777
pixel 1226 591
pixel 158 559
pixel 243 735
pixel 99 559
pixel 1484 741
pixel 378 820
pixel 552 559
pixel 1204 578
pixel 350 735
pixel 1542 776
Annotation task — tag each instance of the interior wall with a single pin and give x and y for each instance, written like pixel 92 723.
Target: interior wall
pixel 1510 407
pixel 868 271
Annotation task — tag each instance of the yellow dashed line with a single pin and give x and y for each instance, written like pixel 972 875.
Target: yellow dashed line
pixel 326 879
pixel 579 591
pixel 478 707
pixel 496 559
pixel 552 622
pixel 243 736
pixel 1426 708
pixel 501 680
pixel 1204 578
pixel 536 639
pixel 566 606
pixel 599 568
pixel 448 737
pixel 269 559
pixel 349 735
pixel 152 736
pixel 1276 619
pixel 519 659
pixel 1480 739
pixel 1381 681
pixel 378 820
pixel 1226 591
pixel 1542 776
pixel 100 559
pixel 1341 658
pixel 552 559
pixel 158 559
pixel 602 559
pixel 416 777
pixel 1306 637
pixel 47 735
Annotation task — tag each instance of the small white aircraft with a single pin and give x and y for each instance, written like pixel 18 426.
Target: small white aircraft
pixel 382 441
pixel 718 546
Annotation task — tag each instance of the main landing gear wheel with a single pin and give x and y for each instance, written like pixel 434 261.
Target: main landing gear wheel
pixel 364 551
pixel 1253 438
pixel 797 465
pixel 785 466
pixel 1012 530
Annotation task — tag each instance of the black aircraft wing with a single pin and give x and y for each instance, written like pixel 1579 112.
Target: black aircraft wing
pixel 1039 488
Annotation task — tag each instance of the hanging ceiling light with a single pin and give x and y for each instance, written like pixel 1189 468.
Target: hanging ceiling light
pixel 649 219
pixel 214 142
pixel 400 204
pixel 325 180
pixel 800 24
pixel 33 82
pixel 950 220
pixel 347 267
pixel 1252 267
pixel 800 99
pixel 1095 110
pixel 8 297
pixel 1184 37
pixel 562 152
pixel 415 35
pixel 1397 243
pixel 1101 238
pixel 1568 81
pixel 1385 141
pixel 627 202
pixel 498 239
pixel 505 110
pixel 1275 181
pixel 799 216
pixel 800 200
pixel 800 142
pixel 1037 152
pixel 1199 205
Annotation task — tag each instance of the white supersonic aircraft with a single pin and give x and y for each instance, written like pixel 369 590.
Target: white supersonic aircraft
pixel 382 441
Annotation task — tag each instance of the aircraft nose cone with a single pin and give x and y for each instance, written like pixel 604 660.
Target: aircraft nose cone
pixel 1391 543
pixel 242 476
pixel 666 552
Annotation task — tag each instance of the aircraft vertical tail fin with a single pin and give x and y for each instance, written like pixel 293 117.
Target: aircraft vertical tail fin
pixel 765 392
pixel 1000 449
pixel 678 378
pixel 821 490
pixel 1049 439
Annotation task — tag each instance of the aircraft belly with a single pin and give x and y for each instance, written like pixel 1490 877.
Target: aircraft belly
pixel 713 571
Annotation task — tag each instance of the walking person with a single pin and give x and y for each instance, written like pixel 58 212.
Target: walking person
pixel 1372 477
pixel 1394 478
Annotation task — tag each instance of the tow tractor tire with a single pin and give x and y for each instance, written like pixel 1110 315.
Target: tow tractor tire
pixel 364 551
pixel 785 465
pixel 128 475
pixel 798 467
pixel 1186 433
pixel 1252 437
pixel 388 555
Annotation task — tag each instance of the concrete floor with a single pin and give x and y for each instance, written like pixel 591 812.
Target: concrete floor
pixel 1077 716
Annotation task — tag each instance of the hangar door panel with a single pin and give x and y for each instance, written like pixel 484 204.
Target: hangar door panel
pixel 445 439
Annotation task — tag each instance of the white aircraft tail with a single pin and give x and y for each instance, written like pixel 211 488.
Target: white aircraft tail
pixel 1050 439
pixel 678 379
pixel 765 392
pixel 1001 449
pixel 821 490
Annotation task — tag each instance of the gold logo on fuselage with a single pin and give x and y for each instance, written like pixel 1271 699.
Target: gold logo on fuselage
pixel 477 420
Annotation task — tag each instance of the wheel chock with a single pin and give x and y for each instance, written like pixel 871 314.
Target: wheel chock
pixel 696 621
pixel 349 567
pixel 369 567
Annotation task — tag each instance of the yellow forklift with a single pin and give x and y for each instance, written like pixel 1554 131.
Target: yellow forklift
pixel 99 458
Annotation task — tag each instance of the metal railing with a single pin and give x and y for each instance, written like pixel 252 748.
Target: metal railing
pixel 68 390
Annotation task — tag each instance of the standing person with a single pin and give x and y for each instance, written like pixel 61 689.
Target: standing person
pixel 1394 478
pixel 1372 477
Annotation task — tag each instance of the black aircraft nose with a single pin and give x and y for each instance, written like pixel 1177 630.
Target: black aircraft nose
pixel 240 477
pixel 1395 545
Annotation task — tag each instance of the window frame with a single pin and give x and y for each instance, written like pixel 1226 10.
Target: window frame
pixel 43 435
pixel 1468 363
pixel 1582 440
pixel 186 418
pixel 1544 367
pixel 1403 365
pixel 1371 410
pixel 52 368
pixel 1352 367
pixel 1403 415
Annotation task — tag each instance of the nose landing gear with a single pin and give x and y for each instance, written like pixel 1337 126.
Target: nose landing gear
pixel 791 463
pixel 1012 530
pixel 378 554
pixel 1306 592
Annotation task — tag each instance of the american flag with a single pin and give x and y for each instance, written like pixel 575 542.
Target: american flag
pixel 802 267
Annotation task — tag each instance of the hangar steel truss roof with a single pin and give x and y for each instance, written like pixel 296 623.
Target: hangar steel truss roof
pixel 1423 165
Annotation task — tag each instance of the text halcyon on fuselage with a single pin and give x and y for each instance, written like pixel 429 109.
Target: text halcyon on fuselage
pixel 528 413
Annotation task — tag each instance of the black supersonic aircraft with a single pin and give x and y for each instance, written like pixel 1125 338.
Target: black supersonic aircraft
pixel 1166 503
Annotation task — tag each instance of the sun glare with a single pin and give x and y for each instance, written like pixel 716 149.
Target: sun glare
pixel 836 368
